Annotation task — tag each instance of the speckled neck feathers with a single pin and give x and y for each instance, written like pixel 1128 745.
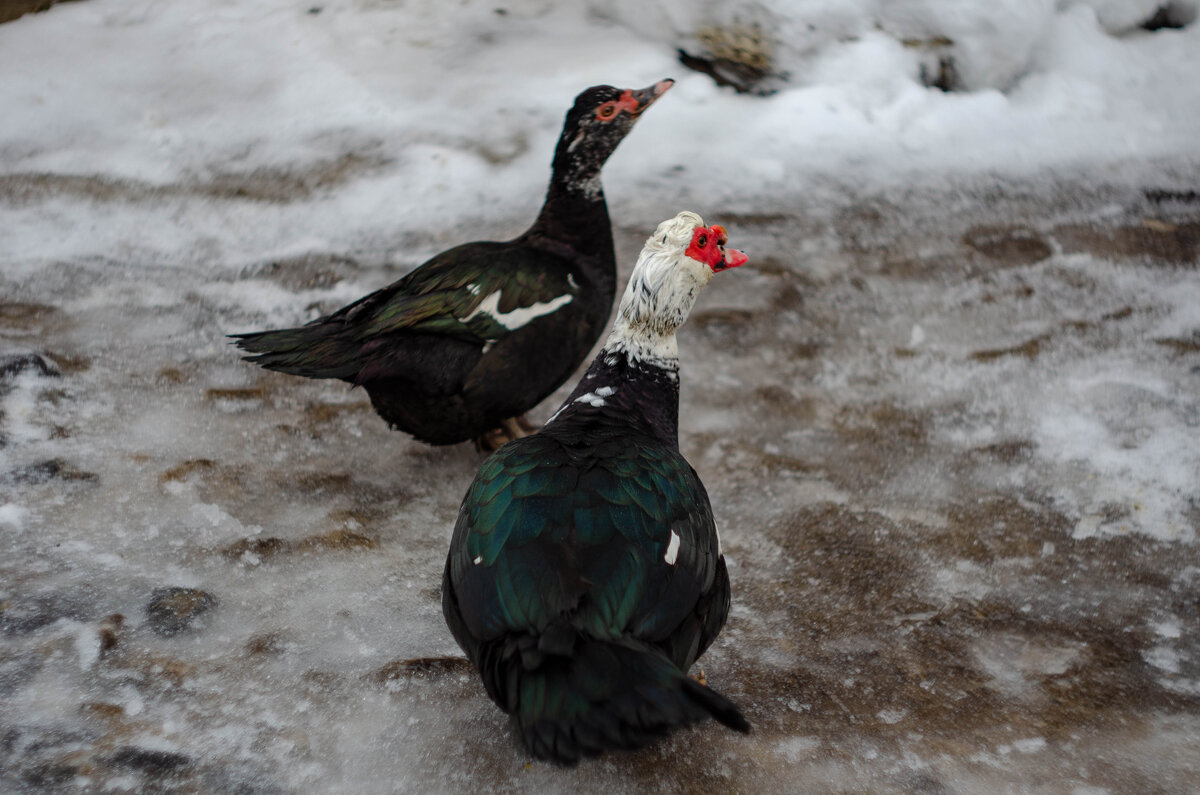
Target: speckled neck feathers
pixel 624 396
pixel 635 377
pixel 659 296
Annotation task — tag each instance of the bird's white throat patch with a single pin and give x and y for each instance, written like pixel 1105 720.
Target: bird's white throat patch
pixel 518 317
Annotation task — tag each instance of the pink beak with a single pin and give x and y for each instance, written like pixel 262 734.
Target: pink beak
pixel 733 258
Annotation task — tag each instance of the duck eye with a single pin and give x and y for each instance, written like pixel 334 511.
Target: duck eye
pixel 702 242
pixel 606 110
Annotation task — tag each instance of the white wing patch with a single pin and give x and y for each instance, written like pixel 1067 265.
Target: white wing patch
pixel 672 549
pixel 520 316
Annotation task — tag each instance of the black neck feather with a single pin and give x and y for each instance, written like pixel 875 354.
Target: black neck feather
pixel 624 395
pixel 575 217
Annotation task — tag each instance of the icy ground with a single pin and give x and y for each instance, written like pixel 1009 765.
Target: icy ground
pixel 947 415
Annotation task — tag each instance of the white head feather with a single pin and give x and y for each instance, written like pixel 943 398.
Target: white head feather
pixel 660 294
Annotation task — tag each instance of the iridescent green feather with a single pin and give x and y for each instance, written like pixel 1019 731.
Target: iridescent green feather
pixel 529 492
pixel 616 594
pixel 439 297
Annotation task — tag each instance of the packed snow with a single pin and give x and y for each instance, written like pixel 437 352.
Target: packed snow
pixel 947 413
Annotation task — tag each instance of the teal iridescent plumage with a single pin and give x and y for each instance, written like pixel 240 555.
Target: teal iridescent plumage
pixel 551 540
pixel 536 490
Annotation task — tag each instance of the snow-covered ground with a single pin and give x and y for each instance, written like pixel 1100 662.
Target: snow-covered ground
pixel 948 414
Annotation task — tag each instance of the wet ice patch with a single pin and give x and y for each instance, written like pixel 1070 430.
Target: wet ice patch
pixel 798 749
pixel 1028 745
pixel 1164 658
pixel 1137 437
pixel 22 419
pixel 1017 665
pixel 13 515
pixel 1168 629
pixel 87 645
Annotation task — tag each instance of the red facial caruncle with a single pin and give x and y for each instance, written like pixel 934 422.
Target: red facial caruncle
pixel 708 246
pixel 626 102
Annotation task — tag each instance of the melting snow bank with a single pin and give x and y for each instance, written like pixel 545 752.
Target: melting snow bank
pixel 275 130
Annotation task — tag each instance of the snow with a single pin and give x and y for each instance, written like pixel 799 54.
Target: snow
pixel 947 413
pixel 13 515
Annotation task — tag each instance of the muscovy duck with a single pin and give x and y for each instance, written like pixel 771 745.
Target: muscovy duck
pixel 483 332
pixel 585 575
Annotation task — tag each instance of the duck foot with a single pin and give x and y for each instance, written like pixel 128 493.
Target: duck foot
pixel 700 677
pixel 511 428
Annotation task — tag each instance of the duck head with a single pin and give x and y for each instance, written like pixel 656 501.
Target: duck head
pixel 601 117
pixel 677 262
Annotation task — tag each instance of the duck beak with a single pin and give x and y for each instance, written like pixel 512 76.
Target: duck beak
pixel 645 97
pixel 732 259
